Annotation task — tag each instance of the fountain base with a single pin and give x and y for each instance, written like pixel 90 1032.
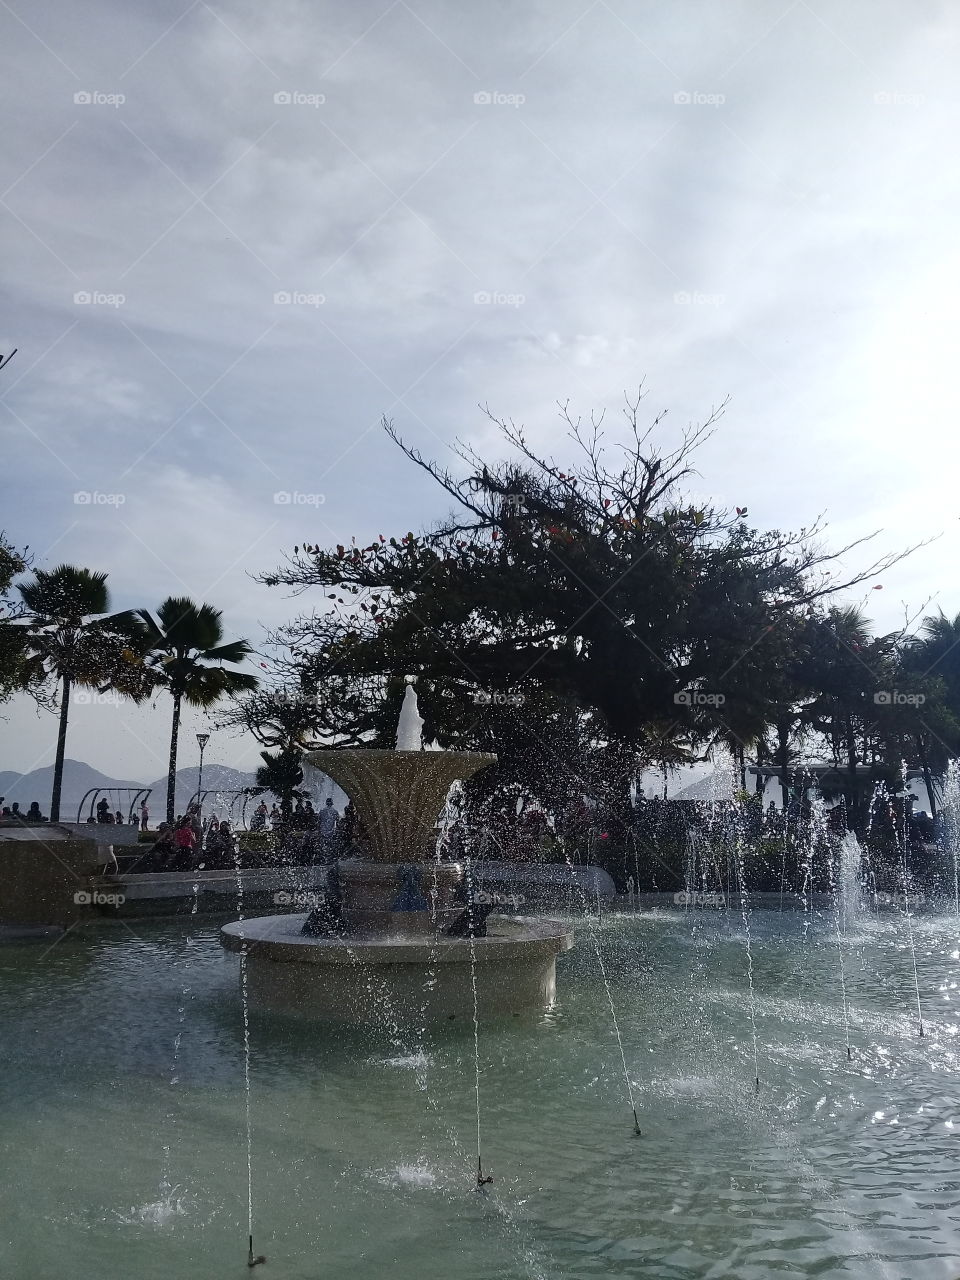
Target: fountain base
pixel 369 979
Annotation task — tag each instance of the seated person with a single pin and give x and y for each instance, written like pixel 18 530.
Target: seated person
pixel 161 854
pixel 34 814
pixel 185 842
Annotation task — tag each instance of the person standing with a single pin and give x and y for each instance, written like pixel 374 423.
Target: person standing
pixel 193 817
pixel 327 821
pixel 144 816
pixel 227 843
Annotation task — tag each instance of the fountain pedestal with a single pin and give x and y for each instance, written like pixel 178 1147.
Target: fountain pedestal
pixel 394 959
pixel 400 981
pixel 370 891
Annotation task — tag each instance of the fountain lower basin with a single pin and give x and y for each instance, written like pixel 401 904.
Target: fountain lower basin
pixel 371 978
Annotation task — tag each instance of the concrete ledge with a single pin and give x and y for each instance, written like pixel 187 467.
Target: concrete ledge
pixel 172 892
pixel 279 938
pixel 119 835
pixel 398 982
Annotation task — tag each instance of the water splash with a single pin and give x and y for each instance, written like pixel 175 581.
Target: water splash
pixel 165 1187
pixel 481 1180
pixel 172 1203
pixel 908 916
pixel 595 937
pixel 410 724
pixel 850 879
pixel 951 825
pixel 845 892
pixel 245 1000
pixel 745 913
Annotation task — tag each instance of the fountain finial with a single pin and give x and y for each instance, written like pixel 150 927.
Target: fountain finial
pixel 410 726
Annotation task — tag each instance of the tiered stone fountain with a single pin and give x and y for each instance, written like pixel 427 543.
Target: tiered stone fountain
pixel 386 946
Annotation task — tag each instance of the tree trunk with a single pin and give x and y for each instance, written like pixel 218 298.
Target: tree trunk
pixel 742 765
pixel 927 775
pixel 61 750
pixel 783 762
pixel 172 766
pixel 761 784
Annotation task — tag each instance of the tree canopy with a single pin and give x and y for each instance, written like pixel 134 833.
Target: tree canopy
pixel 584 607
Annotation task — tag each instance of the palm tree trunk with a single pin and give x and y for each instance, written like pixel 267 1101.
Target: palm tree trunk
pixel 61 750
pixel 172 766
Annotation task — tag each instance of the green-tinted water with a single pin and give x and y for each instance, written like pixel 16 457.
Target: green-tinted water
pixel 364 1146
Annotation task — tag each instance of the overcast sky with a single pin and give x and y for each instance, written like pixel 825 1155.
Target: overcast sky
pixel 512 203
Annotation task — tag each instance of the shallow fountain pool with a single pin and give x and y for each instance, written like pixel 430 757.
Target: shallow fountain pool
pixel 123 1148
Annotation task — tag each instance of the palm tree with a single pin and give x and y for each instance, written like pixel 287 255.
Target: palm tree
pixel 281 773
pixel 185 640
pixel 932 663
pixel 70 631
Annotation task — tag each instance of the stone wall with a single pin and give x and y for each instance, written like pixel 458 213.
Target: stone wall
pixel 41 874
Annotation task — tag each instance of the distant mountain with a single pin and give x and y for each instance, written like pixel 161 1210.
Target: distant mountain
pixel 79 778
pixel 219 779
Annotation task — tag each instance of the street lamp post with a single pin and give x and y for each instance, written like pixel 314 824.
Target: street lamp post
pixel 202 740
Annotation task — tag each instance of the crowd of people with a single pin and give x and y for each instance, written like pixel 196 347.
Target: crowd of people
pixel 13 813
pixel 192 843
pixel 327 821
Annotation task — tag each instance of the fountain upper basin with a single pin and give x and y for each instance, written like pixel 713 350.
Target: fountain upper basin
pixel 366 978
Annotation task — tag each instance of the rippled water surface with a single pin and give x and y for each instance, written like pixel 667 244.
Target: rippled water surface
pixel 122 1140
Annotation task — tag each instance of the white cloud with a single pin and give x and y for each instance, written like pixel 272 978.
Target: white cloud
pixel 813 221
